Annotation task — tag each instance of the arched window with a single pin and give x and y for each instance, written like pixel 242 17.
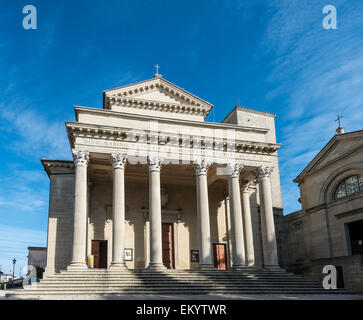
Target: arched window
pixel 349 186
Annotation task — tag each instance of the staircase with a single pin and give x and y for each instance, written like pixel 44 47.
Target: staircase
pixel 171 282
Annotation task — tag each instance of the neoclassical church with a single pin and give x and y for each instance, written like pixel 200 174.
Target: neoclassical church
pixel 152 185
pixel 328 230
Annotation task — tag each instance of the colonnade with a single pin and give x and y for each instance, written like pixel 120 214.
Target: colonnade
pixel 240 212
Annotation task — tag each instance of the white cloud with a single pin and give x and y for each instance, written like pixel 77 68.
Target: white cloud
pixel 34 135
pixel 321 74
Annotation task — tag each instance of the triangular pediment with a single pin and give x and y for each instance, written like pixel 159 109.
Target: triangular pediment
pixel 338 147
pixel 156 91
pixel 160 95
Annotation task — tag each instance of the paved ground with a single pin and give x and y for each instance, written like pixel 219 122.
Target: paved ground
pixel 198 297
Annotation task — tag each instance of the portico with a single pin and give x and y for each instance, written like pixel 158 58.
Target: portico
pixel 161 182
pixel 242 242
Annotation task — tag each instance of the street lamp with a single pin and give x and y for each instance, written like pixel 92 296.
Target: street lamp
pixel 14 261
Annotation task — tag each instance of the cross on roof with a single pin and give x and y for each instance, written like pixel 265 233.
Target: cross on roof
pixel 157 68
pixel 338 119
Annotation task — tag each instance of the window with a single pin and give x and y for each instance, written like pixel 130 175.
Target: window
pixel 349 186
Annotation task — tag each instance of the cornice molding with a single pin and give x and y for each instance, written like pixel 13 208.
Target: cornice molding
pixel 159 106
pixel 79 109
pixel 123 134
pixel 49 165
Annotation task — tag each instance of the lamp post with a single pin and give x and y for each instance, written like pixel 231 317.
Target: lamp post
pixel 14 261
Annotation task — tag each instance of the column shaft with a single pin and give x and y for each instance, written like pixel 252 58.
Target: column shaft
pixel 267 219
pixel 80 211
pixel 156 250
pixel 205 246
pixel 118 212
pixel 238 248
pixel 247 223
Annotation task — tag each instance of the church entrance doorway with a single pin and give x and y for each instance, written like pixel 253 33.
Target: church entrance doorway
pixel 220 256
pixel 99 251
pixel 168 245
pixel 356 236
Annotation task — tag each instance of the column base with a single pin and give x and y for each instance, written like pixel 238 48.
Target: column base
pixel 77 266
pixel 156 266
pixel 239 267
pixel 252 268
pixel 206 267
pixel 48 272
pixel 273 268
pixel 118 266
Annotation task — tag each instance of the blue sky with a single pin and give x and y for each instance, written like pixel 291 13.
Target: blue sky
pixel 270 55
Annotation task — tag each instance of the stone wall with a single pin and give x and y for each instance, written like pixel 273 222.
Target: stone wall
pixel 60 222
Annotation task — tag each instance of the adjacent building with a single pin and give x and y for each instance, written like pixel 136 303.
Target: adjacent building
pixel 328 230
pixel 37 257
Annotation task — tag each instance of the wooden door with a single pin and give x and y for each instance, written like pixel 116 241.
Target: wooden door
pixel 220 257
pixel 99 251
pixel 168 245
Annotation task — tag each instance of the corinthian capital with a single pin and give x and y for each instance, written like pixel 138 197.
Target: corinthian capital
pixel 118 160
pixel 80 157
pixel 264 172
pixel 233 169
pixel 154 164
pixel 248 185
pixel 201 166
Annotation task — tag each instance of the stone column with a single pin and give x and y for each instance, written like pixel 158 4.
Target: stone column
pixel 118 211
pixel 80 211
pixel 247 223
pixel 267 219
pixel 156 250
pixel 238 247
pixel 205 246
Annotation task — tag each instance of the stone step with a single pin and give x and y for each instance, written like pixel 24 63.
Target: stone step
pixel 174 271
pixel 105 282
pixel 166 277
pixel 173 276
pixel 228 273
pixel 168 288
pixel 35 293
pixel 176 280
pixel 191 284
pixel 246 281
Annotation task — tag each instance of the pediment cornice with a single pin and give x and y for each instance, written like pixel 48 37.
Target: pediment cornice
pixel 181 100
pixel 158 105
pixel 317 162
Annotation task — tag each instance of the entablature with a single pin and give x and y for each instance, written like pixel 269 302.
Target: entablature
pixel 107 138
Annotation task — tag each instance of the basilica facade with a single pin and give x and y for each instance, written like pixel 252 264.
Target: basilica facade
pixel 152 185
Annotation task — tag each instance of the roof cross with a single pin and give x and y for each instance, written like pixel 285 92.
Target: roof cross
pixel 338 119
pixel 157 68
